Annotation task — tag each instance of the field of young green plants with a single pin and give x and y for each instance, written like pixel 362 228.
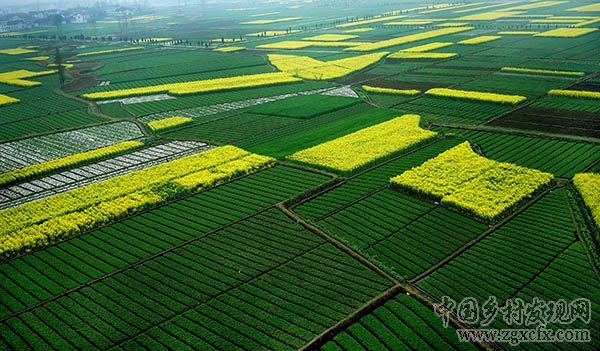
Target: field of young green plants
pixel 308 175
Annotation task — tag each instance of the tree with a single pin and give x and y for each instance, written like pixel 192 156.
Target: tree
pixel 57 21
pixel 60 67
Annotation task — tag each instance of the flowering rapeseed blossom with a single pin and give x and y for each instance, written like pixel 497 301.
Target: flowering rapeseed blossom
pixel 465 180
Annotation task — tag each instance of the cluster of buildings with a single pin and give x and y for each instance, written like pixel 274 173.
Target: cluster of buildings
pixel 18 21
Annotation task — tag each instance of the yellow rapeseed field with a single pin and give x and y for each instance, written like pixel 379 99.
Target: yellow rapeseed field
pixel 542 71
pixel 421 55
pixel 230 49
pixel 575 93
pixel 479 40
pixel 369 21
pixel 536 5
pixel 16 51
pixel 331 37
pixel 359 30
pixel 272 33
pixel 67 161
pixel 361 148
pixel 587 8
pixel 588 185
pixel 7 100
pixel 488 16
pixel 521 32
pixel 390 91
pixel 38 58
pixel 476 95
pixel 294 45
pixel 309 68
pixel 168 122
pixel 409 38
pixel 566 32
pixel 55 217
pixel 18 77
pixel 463 179
pixel 199 86
pixel 109 51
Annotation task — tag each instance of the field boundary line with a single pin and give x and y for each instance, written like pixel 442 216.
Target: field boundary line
pixel 344 180
pixel 427 299
pixel 481 236
pixel 352 318
pixel 135 264
pixel 298 219
pixel 546 265
pixel 521 133
pixel 534 100
pixel 149 209
pixel 584 243
pixel 217 295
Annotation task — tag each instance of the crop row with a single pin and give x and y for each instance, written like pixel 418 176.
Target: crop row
pixel 528 86
pixel 396 230
pixel 366 146
pixel 506 261
pixel 402 323
pixel 568 103
pixel 192 289
pixel 41 222
pixel 212 103
pixel 81 259
pixel 91 173
pixel 234 129
pixel 369 181
pixel 67 161
pixel 568 277
pixel 200 86
pixel 26 152
pixel 79 118
pixel 129 81
pixel 559 157
pixel 465 180
pixel 453 111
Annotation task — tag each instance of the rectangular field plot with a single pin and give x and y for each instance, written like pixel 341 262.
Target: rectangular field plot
pixel 446 110
pixel 95 172
pixel 402 323
pixel 233 129
pixel 406 235
pixel 369 181
pixel 569 104
pixel 304 106
pixel 22 153
pixel 35 277
pixel 209 104
pixel 559 157
pixel 550 120
pixel 508 259
pixel 569 276
pixel 279 287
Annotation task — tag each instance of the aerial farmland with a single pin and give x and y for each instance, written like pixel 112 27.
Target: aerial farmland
pixel 299 175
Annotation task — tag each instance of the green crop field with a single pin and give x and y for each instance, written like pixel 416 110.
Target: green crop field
pixel 299 175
